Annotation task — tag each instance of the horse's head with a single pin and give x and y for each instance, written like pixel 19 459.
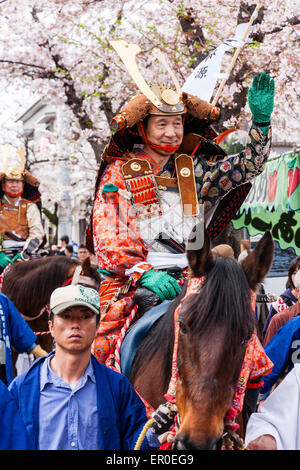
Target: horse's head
pixel 215 326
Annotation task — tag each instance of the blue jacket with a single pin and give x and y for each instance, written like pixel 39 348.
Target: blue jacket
pixel 16 332
pixel 12 430
pixel 284 351
pixel 121 413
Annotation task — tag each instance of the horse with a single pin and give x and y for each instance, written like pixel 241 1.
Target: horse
pixel 215 326
pixel 29 285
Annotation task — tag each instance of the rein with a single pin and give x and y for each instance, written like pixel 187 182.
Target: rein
pixel 114 359
pixel 29 319
pixel 25 317
pixel 193 287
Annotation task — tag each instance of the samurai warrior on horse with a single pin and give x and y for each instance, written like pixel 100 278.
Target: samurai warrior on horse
pixel 21 230
pixel 159 176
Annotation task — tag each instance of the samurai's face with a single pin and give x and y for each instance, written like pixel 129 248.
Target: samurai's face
pixel 164 131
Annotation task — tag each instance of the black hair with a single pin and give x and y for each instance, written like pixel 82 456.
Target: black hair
pixel 294 264
pixel 65 238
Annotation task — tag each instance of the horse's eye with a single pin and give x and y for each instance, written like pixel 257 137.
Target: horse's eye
pixel 183 328
pixel 246 339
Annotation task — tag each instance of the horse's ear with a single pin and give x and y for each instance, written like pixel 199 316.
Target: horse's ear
pixel 86 267
pixel 259 261
pixel 199 251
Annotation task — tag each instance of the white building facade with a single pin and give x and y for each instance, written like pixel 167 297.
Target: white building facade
pixel 39 122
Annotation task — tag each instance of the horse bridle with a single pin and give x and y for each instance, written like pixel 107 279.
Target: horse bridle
pixel 43 310
pixel 170 396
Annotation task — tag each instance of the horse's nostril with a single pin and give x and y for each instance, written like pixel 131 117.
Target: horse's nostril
pixel 182 442
pixel 179 443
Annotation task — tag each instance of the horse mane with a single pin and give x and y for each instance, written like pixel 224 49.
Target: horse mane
pixel 224 300
pixel 31 283
pixel 160 338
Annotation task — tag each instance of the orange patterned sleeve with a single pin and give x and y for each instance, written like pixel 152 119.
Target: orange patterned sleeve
pixel 118 244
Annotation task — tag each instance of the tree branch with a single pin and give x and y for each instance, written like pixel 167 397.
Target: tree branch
pixel 25 64
pixel 294 21
pixel 193 32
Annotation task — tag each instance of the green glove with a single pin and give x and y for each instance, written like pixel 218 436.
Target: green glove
pixel 4 260
pixel 162 284
pixel 261 99
pixel 110 188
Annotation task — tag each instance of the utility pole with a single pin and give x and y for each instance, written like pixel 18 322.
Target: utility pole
pixel 65 205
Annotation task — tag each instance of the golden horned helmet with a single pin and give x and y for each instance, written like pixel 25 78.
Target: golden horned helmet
pixel 156 98
pixel 164 99
pixel 17 173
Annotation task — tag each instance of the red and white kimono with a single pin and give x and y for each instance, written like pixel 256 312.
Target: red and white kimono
pixel 121 250
pixel 127 247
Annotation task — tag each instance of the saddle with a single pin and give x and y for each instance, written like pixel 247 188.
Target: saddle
pixel 137 333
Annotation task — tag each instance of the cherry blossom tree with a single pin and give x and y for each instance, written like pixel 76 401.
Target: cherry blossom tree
pixel 60 50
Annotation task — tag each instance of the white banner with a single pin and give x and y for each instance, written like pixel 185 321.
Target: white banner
pixel 202 81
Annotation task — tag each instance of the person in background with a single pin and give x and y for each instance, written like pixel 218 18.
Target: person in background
pixel 16 333
pixel 282 349
pixel 21 229
pixel 69 251
pixel 64 241
pixel 288 297
pixel 276 426
pixel 222 251
pixel 245 248
pixel 13 434
pixel 281 318
pixel 55 250
pixel 83 253
pixel 75 249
